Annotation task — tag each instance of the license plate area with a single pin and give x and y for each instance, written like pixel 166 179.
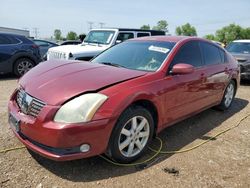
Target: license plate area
pixel 14 122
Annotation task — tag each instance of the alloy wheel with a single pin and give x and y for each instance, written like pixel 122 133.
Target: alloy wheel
pixel 24 66
pixel 134 136
pixel 229 95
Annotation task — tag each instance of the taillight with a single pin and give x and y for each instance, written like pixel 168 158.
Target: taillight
pixel 34 46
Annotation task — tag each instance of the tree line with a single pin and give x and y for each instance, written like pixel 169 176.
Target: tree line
pixel 225 34
pixel 70 35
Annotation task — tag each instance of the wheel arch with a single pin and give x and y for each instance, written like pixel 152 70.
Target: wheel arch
pixel 19 56
pixel 150 106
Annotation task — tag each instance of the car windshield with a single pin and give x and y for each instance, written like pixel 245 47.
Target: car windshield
pixel 136 55
pixel 239 47
pixel 99 37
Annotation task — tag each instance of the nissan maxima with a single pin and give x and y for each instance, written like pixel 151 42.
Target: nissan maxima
pixel 116 104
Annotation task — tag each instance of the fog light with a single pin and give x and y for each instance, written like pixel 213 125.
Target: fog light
pixel 84 148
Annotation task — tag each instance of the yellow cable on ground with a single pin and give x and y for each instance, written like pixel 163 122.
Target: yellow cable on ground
pixel 157 152
pixel 138 163
pixel 10 149
pixel 204 142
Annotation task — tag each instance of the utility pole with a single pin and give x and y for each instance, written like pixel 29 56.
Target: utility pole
pixel 36 31
pixel 90 25
pixel 101 24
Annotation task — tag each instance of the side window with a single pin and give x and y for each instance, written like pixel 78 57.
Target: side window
pixel 143 34
pixel 4 40
pixel 211 54
pixel 189 53
pixel 41 43
pixel 223 56
pixel 125 36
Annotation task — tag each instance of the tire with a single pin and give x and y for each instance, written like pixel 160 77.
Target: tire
pixel 22 66
pixel 228 96
pixel 131 135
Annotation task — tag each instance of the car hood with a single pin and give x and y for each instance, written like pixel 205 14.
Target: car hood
pixel 79 49
pixel 242 58
pixel 54 82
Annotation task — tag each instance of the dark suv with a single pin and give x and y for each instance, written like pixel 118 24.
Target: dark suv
pixel 240 49
pixel 17 54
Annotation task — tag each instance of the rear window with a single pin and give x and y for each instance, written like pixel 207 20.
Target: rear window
pixel 143 34
pixel 211 53
pixel 239 47
pixel 5 40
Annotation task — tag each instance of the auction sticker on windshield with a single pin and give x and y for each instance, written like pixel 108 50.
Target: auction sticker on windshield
pixel 158 49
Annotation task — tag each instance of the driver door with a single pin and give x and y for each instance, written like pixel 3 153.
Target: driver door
pixel 186 95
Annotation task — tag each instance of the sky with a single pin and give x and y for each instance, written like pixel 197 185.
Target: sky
pixel 73 15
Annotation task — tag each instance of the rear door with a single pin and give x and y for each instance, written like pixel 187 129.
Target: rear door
pixel 217 71
pixel 7 49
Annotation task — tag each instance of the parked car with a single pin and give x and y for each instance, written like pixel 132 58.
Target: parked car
pixel 118 101
pixel 97 41
pixel 71 42
pixel 44 45
pixel 240 49
pixel 17 54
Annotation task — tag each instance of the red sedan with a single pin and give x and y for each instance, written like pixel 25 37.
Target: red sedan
pixel 67 110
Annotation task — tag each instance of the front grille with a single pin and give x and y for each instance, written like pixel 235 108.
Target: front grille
pixel 56 55
pixel 28 104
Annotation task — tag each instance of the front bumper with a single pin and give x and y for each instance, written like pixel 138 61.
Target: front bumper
pixel 60 142
pixel 245 71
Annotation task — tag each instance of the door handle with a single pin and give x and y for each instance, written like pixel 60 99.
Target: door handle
pixel 227 70
pixel 203 77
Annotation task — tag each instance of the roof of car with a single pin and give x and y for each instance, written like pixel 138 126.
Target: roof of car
pixel 11 34
pixel 128 29
pixel 243 40
pixel 163 38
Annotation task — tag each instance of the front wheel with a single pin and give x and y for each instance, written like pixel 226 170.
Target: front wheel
pixel 131 135
pixel 228 96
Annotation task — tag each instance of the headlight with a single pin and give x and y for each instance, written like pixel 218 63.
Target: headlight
pixel 80 109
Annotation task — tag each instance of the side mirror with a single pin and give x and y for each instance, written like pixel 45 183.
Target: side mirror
pixel 118 41
pixel 182 68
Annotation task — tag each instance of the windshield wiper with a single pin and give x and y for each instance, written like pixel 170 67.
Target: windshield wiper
pixel 112 64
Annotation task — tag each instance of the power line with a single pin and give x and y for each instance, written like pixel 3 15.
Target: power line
pixel 101 24
pixel 36 31
pixel 90 24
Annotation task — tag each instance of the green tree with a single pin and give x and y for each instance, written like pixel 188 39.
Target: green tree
pixel 162 25
pixel 147 27
pixel 230 33
pixel 186 30
pixel 210 37
pixel 71 35
pixel 245 33
pixel 57 34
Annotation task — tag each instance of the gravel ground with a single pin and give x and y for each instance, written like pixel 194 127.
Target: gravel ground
pixel 223 162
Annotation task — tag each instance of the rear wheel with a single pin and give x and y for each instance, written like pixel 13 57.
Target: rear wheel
pixel 22 66
pixel 131 135
pixel 228 96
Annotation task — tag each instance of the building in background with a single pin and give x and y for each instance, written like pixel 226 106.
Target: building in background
pixel 23 32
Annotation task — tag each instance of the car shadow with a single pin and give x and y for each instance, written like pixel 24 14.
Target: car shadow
pixel 245 82
pixel 8 77
pixel 174 138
